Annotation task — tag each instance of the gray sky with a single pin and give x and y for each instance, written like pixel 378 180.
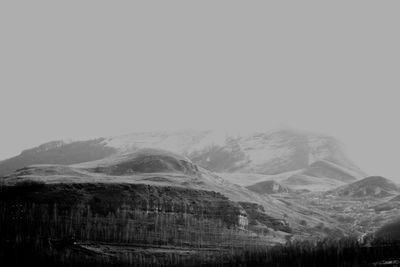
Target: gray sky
pixel 82 70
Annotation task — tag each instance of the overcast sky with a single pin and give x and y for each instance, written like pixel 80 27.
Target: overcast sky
pixel 70 70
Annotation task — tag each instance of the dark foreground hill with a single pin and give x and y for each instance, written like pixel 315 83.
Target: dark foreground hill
pixel 148 180
pixel 105 199
pixel 389 231
pixel 127 224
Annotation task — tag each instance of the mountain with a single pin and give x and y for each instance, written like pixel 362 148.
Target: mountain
pixel 144 166
pixel 58 152
pixel 318 176
pixel 160 168
pixel 373 186
pixel 269 153
pixel 272 153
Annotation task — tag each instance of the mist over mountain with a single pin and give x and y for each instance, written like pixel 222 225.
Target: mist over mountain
pixel 267 153
pixel 266 163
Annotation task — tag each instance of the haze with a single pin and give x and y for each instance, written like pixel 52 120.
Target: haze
pixel 109 69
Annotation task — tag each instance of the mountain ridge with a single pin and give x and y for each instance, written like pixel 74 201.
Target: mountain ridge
pixel 267 153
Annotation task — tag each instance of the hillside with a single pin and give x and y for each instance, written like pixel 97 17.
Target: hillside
pixel 153 197
pixel 389 231
pixel 142 161
pixel 108 198
pixel 300 181
pixel 373 186
pixel 166 169
pixel 268 187
pixel 295 180
pixel 330 170
pixel 57 152
pixel 396 198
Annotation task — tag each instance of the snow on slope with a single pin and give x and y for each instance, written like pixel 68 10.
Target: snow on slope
pixel 268 153
pixel 178 142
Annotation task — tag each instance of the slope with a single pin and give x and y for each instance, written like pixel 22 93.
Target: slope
pixel 162 168
pixel 373 186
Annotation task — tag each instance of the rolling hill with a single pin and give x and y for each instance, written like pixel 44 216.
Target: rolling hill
pixel 58 152
pixel 373 186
